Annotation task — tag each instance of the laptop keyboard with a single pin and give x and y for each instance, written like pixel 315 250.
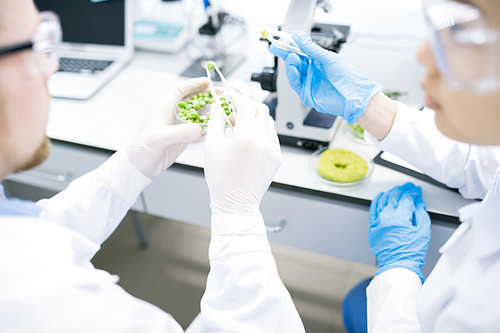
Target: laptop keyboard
pixel 74 65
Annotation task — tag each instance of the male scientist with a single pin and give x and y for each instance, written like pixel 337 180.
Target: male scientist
pixel 47 282
pixel 462 82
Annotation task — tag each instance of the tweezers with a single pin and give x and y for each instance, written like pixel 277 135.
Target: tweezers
pixel 214 93
pixel 285 41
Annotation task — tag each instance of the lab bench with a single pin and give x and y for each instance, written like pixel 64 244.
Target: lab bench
pixel 298 211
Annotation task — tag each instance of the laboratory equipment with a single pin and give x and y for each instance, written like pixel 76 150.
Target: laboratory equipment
pixel 282 40
pixel 224 103
pixel 195 107
pixel 91 54
pixel 160 26
pixel 163 36
pixel 214 49
pixel 297 124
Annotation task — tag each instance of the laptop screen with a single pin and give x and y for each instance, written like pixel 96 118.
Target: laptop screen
pixel 84 21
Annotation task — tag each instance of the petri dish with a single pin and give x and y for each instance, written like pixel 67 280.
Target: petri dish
pixel 355 132
pixel 203 109
pixel 313 167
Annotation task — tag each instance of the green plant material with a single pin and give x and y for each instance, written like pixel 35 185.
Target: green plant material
pixel 357 131
pixel 189 110
pixel 342 166
pixel 264 34
pixel 357 128
pixel 210 65
pixel 395 94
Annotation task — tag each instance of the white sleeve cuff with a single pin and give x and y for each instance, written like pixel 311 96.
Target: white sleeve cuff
pixel 226 245
pixel 237 233
pixel 121 177
pixel 226 224
pixel 392 301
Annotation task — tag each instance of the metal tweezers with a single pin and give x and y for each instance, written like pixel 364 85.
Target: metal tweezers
pixel 214 93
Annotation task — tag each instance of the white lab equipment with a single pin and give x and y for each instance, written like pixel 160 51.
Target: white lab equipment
pixel 160 25
pixel 290 112
pixel 461 293
pixel 297 124
pixel 214 41
pixel 91 54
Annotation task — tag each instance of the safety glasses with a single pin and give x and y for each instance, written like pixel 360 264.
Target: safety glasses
pixel 44 43
pixel 467 51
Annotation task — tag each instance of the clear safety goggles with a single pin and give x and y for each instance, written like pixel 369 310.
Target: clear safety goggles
pixel 44 43
pixel 466 49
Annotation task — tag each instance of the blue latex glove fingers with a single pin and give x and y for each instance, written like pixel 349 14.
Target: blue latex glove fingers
pixel 404 195
pixel 381 202
pixel 374 212
pixel 422 219
pixel 325 81
pixel 313 50
pixel 347 92
pixel 279 52
pixel 293 72
pixel 399 234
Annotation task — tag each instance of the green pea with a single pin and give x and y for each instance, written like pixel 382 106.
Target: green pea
pixel 203 103
pixel 222 99
pixel 206 94
pixel 206 99
pixel 182 105
pixel 210 65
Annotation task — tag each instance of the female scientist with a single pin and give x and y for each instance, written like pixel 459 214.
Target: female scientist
pixel 462 82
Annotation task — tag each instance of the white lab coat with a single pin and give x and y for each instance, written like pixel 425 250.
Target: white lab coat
pixel 48 284
pixel 462 293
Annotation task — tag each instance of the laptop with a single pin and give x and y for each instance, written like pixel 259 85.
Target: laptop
pixel 97 43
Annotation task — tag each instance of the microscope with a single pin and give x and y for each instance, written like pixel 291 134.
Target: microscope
pixel 296 124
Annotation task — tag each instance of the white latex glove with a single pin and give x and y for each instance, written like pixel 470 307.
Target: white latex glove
pixel 158 142
pixel 240 168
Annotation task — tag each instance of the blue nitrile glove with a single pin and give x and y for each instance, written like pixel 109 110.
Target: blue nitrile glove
pixel 400 229
pixel 324 81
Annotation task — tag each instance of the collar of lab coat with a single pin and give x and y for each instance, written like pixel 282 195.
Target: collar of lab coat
pixel 484 218
pixel 14 206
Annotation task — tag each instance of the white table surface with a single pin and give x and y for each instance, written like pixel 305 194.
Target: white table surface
pixel 109 118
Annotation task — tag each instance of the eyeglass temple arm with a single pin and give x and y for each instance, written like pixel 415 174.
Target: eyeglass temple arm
pixel 16 47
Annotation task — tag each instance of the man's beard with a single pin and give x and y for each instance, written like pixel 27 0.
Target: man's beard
pixel 38 157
